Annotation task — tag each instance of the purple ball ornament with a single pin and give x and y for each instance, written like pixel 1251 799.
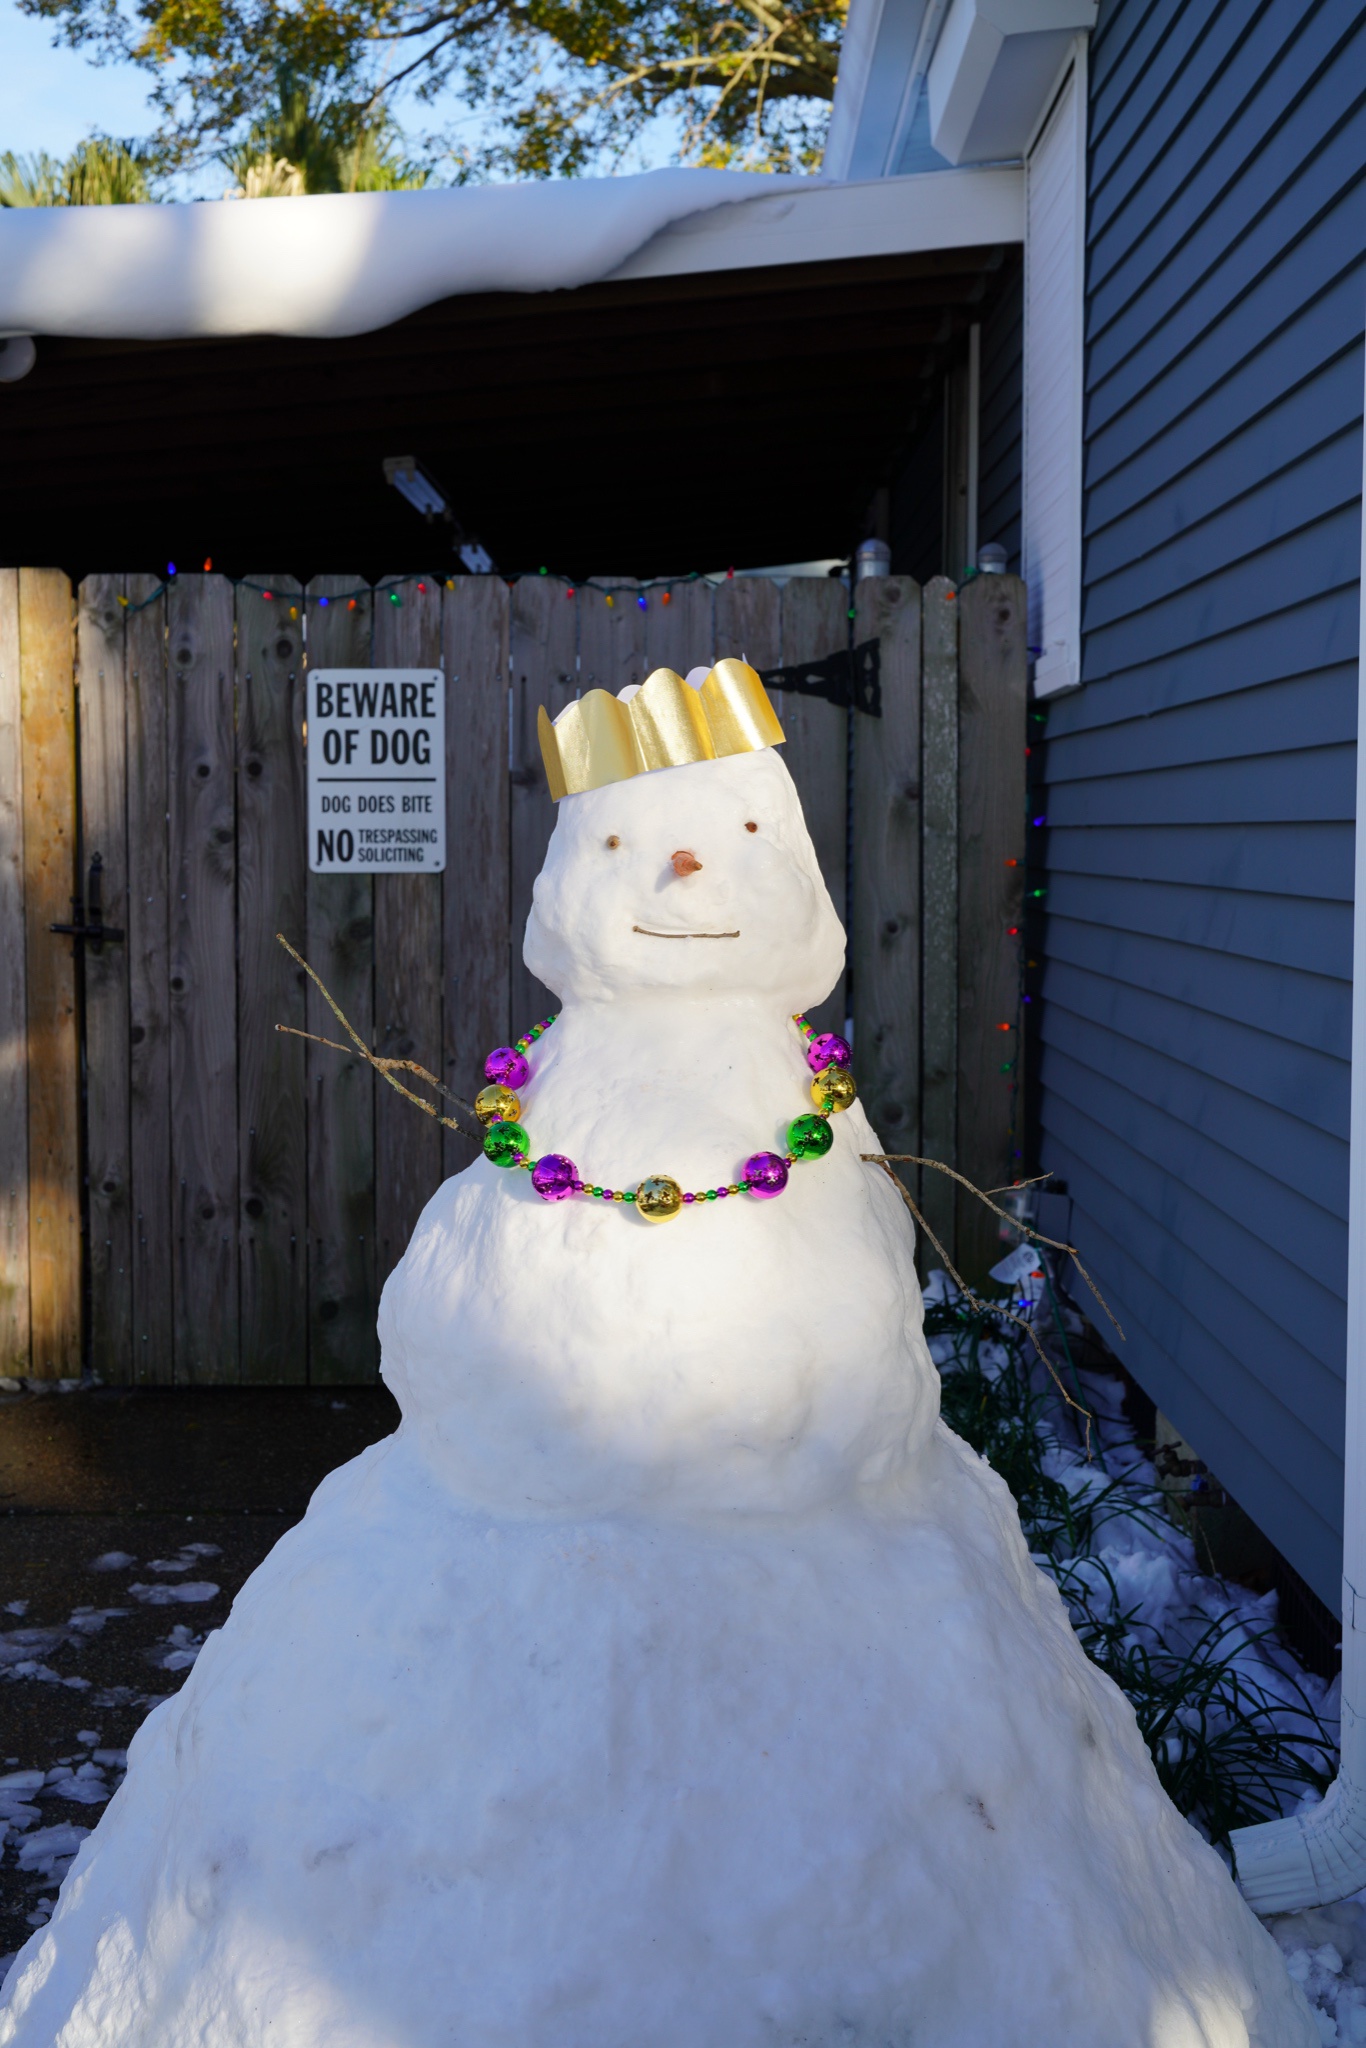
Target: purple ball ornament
pixel 555 1178
pixel 506 1066
pixel 826 1049
pixel 766 1173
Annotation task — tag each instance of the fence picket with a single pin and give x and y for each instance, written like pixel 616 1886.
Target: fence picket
pixel 100 659
pixel 475 886
pixel 748 621
pixel 611 636
pixel 992 658
pixel 682 633
pixel 407 965
pixel 203 978
pixel 543 653
pixel 939 901
pixel 815 623
pixel 340 909
pixel 885 941
pixel 47 683
pixel 272 1096
pixel 14 1288
pixel 147 951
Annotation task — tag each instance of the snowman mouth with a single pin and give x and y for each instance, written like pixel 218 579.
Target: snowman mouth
pixel 646 933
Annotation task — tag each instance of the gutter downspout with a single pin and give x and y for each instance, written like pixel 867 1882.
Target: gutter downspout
pixel 1316 1858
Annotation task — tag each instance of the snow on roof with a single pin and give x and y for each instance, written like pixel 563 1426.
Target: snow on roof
pixel 346 263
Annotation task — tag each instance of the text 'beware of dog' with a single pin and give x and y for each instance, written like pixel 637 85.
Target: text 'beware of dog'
pixel 376 740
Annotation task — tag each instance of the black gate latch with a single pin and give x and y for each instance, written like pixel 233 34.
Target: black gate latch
pixel 87 919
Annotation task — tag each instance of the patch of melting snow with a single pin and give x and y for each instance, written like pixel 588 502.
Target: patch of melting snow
pixel 189 1591
pixel 178 1651
pixel 111 1561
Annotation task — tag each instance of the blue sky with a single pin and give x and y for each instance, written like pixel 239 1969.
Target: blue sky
pixel 50 98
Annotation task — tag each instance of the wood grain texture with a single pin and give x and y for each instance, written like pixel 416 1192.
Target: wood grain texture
pixel 202 979
pixel 47 687
pixel 748 621
pixel 815 623
pixel 680 634
pixel 885 942
pixel 611 636
pixel 939 904
pixel 147 951
pixel 14 1293
pixel 543 649
pixel 272 1085
pixel 100 672
pixel 342 1294
pixel 407 967
pixel 476 952
pixel 992 706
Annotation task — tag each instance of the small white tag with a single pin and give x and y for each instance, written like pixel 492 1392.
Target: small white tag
pixel 1016 1266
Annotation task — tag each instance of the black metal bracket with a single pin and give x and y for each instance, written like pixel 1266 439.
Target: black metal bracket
pixel 850 679
pixel 87 926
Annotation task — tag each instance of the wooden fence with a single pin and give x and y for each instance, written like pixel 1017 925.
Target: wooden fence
pixel 241 1194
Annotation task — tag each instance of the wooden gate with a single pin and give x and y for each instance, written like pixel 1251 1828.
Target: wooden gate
pixel 238 1196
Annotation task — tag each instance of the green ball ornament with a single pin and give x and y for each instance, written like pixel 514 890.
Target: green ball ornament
pixel 810 1137
pixel 504 1142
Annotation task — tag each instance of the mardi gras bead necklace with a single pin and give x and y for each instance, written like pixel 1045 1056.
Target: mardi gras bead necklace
pixel 659 1197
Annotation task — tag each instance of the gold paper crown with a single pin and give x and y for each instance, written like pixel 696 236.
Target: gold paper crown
pixel 666 724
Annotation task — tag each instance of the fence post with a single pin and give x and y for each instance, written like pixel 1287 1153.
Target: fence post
pixel 272 1075
pixel 202 979
pixel 152 1192
pixel 542 647
pixel 341 1091
pixel 104 787
pixel 476 885
pixel 885 941
pixel 939 899
pixel 408 991
pixel 47 667
pixel 14 1287
pixel 991 822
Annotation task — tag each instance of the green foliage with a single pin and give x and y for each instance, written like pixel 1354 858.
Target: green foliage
pixel 556 87
pixel 1230 1747
pixel 98 172
pixel 306 143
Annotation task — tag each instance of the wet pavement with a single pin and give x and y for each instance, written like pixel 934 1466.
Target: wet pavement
pixel 129 1518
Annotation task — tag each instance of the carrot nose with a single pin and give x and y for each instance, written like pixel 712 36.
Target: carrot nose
pixel 685 863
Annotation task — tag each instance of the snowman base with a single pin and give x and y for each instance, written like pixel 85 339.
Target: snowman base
pixel 741 1781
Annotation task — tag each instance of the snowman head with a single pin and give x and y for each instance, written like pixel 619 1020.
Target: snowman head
pixel 699 878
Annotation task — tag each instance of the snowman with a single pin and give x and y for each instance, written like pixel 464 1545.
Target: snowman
pixel 672 1678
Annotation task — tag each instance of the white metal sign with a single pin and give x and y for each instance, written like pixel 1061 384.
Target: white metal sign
pixel 376 770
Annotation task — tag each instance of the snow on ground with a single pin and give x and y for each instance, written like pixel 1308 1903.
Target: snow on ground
pixel 1138 1575
pixel 1138 1580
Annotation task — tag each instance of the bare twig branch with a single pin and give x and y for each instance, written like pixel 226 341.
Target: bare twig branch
pixel 989 1308
pixel 382 1066
pixel 1037 1237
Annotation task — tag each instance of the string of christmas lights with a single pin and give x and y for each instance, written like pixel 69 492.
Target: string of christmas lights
pixel 390 587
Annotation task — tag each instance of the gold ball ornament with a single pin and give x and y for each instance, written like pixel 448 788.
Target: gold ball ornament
pixel 835 1086
pixel 658 1198
pixel 497 1104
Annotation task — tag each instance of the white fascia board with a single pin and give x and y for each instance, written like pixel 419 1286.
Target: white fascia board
pixel 992 68
pixel 827 223
pixel 877 56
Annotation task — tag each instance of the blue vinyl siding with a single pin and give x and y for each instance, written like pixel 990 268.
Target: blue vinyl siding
pixel 1195 1031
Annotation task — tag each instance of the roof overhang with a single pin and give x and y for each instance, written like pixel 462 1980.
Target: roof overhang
pixel 346 264
pixel 984 68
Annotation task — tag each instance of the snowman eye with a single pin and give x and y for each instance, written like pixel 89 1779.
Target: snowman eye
pixel 750 825
pixel 613 840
